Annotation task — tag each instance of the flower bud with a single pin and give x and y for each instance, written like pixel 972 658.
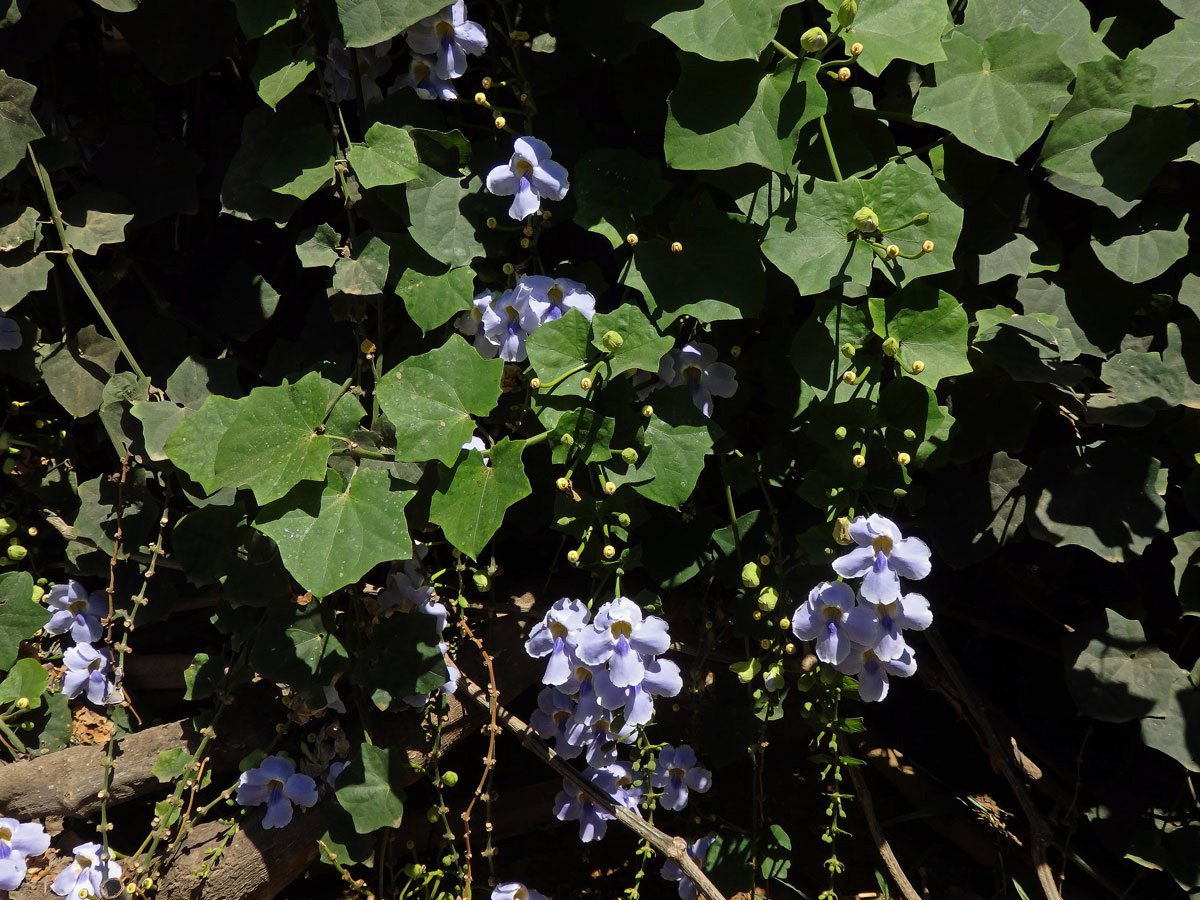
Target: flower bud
pixel 891 347
pixel 38 593
pixel 848 350
pixel 856 49
pixel 17 553
pixel 567 440
pixel 585 383
pixel 843 74
pixel 526 243
pixel 449 779
pixel 767 598
pixel 609 551
pixel 481 98
pixel 859 461
pixel 572 556
pixel 757 615
pixel 865 220
pixel 920 218
pixel 527 231
pixel 22 703
pixel 892 251
pixel 414 870
pixel 631 239
pixel 814 39
pixel 839 433
pixel 492 223
pixel 841 531
pixel 7 526
pixel 909 434
pixel 789 648
pixel 849 377
pixel 764 560
pixel 785 623
pixel 612 341
pixel 535 383
pixel 508 268
pixel 647 411
pixel 846 13
pixel 431 814
pixel 676 247
pixel 629 455
pixel 903 459
pixel 563 484
pixel 610 488
pixel 501 121
pixel 764 643
pixel 623 520
pixel 750 575
pixel 927 246
pixel 899 493
pixel 918 367
pixel 482 582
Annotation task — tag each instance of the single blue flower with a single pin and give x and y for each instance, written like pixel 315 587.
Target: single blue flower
pixel 19 840
pixel 698 851
pixel 582 686
pixel 512 322
pixel 883 556
pixel 621 637
pixel 88 670
pixel 529 177
pixel 373 63
pixel 553 297
pixel 424 80
pixel 661 678
pixel 554 720
pixel 86 873
pixel 573 804
pixel 10 334
pixel 676 772
pixel 872 672
pixel 76 610
pixel 599 741
pixel 407 591
pixel 514 890
pixel 555 636
pixel 276 783
pixel 696 366
pixel 822 619
pixel 448 36
pixel 627 791
pixel 881 626
pixel 475 322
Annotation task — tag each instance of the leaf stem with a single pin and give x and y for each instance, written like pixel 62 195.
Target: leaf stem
pixel 833 163
pixel 784 50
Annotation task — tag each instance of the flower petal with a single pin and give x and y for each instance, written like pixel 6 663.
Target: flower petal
pixel 910 558
pixel 914 612
pixel 301 790
pixel 532 149
pixel 881 586
pixel 30 838
pixel 662 678
pixel 855 563
pixel 278 814
pixel 595 645
pixel 650 637
pixel 471 37
pixel 550 180
pixel 625 665
pixel 525 201
pixel 503 181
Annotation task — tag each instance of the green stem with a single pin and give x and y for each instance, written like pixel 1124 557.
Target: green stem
pixel 833 163
pixel 784 50
pixel 564 376
pixel 12 738
pixel 334 402
pixel 48 190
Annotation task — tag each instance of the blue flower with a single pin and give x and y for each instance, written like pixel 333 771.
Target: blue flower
pixel 671 871
pixel 276 783
pixel 88 670
pixel 77 610
pixel 424 80
pixel 626 791
pixel 621 637
pixel 554 720
pixel 873 672
pixel 448 36
pixel 660 679
pixel 373 62
pixel 19 840
pixel 475 322
pixel 10 334
pixel 514 890
pixel 582 686
pixel 553 297
pixel 696 366
pixel 529 177
pixel 599 741
pixel 883 556
pixel 555 636
pixel 823 618
pixel 573 804
pixel 676 772
pixel 880 626
pixel 512 321
pixel 86 873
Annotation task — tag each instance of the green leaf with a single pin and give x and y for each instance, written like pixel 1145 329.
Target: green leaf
pixel 274 442
pixel 331 535
pixel 558 347
pixel 279 69
pixel 17 125
pixel 26 680
pixel 430 399
pixel 716 29
pixel 815 351
pixel 897 29
pixel 317 247
pixel 613 188
pixel 370 790
pixel 101 218
pixel 471 499
pixel 1013 257
pixel 677 440
pixel 389 156
pixel 243 193
pixel 1149 378
pixel 1068 20
pixel 55 723
pixel 20 615
pixel 996 95
pixel 1140 257
pixel 302 162
pixel 19 230
pixel 1178 66
pixel 260 17
pixel 369 22
pixel 642 347
pixel 76 372
pixel 718 276
pixel 721 115
pixel 365 274
pixel 170 764
pixel 432 299
pixel 930 325
pixel 591 436
pixel 292 643
pixel 810 238
pixel 193 444
pixel 444 216
pixel 202 677
pixel 402 659
pixel 18 282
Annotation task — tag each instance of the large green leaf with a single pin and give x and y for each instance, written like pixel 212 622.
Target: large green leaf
pixel 369 789
pixel 76 371
pixel 558 347
pixel 293 643
pixel 388 156
pixel 615 187
pixel 1147 379
pixel 301 164
pixel 402 659
pixel 279 70
pixel 676 441
pixel 471 499
pixel 897 29
pixel 715 29
pixel 364 274
pixel 18 282
pixel 17 125
pixel 811 238
pixel 1069 20
pixel 445 216
pixel 94 218
pixel 721 115
pixel 277 439
pixel 432 299
pixel 430 399
pixel 1144 255
pixel 20 615
pixel 26 681
pixel 19 229
pixel 931 327
pixel 642 345
pixel 367 22
pixel 261 17
pixel 330 535
pixel 193 444
pixel 996 95
pixel 1177 64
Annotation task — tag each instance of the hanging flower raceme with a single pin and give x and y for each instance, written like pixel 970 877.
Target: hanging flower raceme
pixel 529 177
pixel 552 298
pixel 555 636
pixel 677 772
pixel 448 37
pixel 19 840
pixel 883 556
pixel 624 639
pixel 423 79
pixel 88 670
pixel 86 873
pixel 823 619
pixel 696 366
pixel 77 611
pixel 511 322
pixel 671 871
pixel 276 783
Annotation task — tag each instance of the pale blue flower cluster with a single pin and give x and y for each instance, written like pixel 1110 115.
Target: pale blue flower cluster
pixel 864 636
pixel 75 610
pixel 603 676
pixel 276 783
pixel 440 44
pixel 500 324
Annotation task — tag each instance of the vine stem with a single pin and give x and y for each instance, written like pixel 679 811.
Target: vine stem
pixel 881 842
pixel 833 163
pixel 69 252
pixel 673 847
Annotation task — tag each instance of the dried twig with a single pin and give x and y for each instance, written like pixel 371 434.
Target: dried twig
pixel 881 842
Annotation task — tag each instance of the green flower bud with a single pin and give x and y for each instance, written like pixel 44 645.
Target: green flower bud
pixel 17 553
pixel 841 531
pixel 449 779
pixel 899 493
pixel 567 440
pixel 431 814
pixel 414 870
pixel 7 526
pixel 38 593
pixel 891 347
pixel 840 433
pixel 482 582
pixel 612 341
pixel 865 220
pixel 750 575
pixel 920 218
pixel 623 520
pixel 846 13
pixel 629 455
pixel 22 703
pixel 767 598
pixel 909 434
pixel 848 351
pixel 814 39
